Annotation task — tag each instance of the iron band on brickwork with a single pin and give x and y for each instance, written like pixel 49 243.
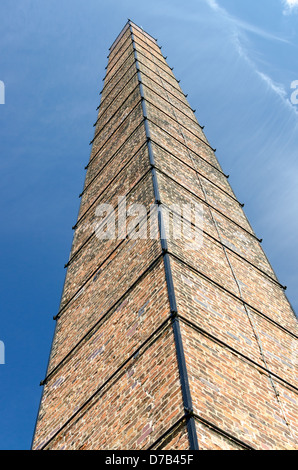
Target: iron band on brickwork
pixel 226 435
pixel 250 318
pixel 137 43
pixel 187 401
pixel 112 89
pixel 112 71
pixel 97 197
pixel 166 81
pixel 122 32
pixel 165 99
pixel 106 84
pixel 138 40
pixel 196 136
pixel 164 70
pixel 196 171
pixel 117 71
pixel 174 80
pixel 189 414
pixel 112 157
pixel 112 59
pixel 127 27
pixel 159 443
pixel 115 51
pixel 106 164
pixel 142 177
pixel 221 243
pixel 184 103
pixel 113 115
pixel 186 146
pixel 102 102
pixel 119 149
pixel 140 34
pixel 203 275
pixel 101 264
pixel 95 327
pixel 71 422
pixel 178 122
pixel 234 351
pixel 208 204
pixel 114 131
pixel 134 356
pixel 142 31
pixel 167 435
pixel 112 101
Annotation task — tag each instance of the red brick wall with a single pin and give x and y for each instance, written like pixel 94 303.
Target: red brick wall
pixel 115 373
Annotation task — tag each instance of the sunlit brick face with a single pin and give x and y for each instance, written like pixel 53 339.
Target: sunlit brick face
pixel 179 342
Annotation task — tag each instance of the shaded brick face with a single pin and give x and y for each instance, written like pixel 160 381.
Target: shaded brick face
pixel 149 330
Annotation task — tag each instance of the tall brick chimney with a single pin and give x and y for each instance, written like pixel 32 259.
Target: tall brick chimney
pixel 177 342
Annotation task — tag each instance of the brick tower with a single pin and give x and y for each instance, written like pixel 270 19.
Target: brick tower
pixel 177 342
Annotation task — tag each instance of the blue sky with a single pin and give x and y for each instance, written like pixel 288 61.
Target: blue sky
pixel 235 59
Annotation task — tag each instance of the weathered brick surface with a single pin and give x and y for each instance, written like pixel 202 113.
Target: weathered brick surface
pixel 158 91
pixel 115 101
pixel 167 132
pixel 104 133
pixel 113 142
pixel 148 61
pixel 129 412
pixel 118 42
pixel 148 42
pixel 165 104
pixel 211 440
pixel 120 181
pixel 121 80
pixel 113 69
pixel 208 258
pixel 117 336
pixel 224 316
pixel 113 379
pixel 145 36
pixel 127 149
pixel 172 193
pixel 176 440
pixel 97 249
pixel 233 237
pixel 106 286
pixel 117 51
pixel 148 65
pixel 280 349
pixel 194 141
pixel 118 75
pixel 156 58
pixel 205 191
pixel 196 161
pixel 264 295
pixel 233 395
pixel 153 77
pixel 214 310
pixel 241 242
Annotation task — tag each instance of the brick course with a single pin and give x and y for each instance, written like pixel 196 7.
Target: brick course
pixel 166 345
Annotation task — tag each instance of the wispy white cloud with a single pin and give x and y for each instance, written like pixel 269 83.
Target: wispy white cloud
pixel 237 29
pixel 290 6
pixel 278 89
pixel 245 25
